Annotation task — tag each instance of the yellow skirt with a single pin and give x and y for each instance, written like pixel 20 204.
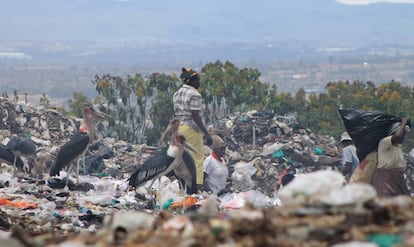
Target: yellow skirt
pixel 195 139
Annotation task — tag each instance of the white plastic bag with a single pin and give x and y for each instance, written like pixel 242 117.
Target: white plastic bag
pixel 242 176
pixel 309 186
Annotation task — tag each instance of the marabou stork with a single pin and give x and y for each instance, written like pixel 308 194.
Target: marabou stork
pixel 71 152
pixel 21 147
pixel 167 160
pixel 7 156
pixel 185 173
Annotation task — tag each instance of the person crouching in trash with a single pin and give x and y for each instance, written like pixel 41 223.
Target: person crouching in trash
pixel 389 178
pixel 215 167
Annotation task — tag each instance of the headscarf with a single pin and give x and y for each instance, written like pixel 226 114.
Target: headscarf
pixel 188 75
pixel 345 137
pixel 217 142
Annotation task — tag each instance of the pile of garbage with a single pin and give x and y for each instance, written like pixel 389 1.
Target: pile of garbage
pixel 268 143
pixel 99 209
pixel 316 210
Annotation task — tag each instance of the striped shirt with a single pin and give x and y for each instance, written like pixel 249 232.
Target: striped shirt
pixel 185 100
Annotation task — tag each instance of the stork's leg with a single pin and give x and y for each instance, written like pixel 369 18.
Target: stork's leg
pixel 158 196
pixel 77 170
pixel 67 181
pixel 185 196
pixel 150 186
pixel 84 165
pixel 149 191
pixel 14 166
pixel 70 171
pixel 36 168
pixel 183 187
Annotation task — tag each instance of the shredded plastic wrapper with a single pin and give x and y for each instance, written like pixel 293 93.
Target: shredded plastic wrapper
pixel 239 200
pixel 242 176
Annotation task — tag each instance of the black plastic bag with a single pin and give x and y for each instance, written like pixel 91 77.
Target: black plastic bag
pixel 367 128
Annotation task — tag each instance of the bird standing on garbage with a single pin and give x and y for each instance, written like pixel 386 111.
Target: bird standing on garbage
pixel 185 172
pixel 71 152
pixel 164 162
pixel 21 147
pixel 8 157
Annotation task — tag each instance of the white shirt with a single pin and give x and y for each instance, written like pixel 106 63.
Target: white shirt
pixel 349 156
pixel 217 174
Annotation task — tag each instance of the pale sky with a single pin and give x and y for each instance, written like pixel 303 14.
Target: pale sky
pixel 360 2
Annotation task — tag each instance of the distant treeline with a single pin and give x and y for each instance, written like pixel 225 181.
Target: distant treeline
pixel 141 106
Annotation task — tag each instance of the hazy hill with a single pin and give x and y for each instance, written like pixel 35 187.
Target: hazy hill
pixel 57 46
pixel 324 21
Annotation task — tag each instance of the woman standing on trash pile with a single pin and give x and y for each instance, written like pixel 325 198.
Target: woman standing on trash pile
pixel 389 176
pixel 350 159
pixel 187 108
pixel 215 167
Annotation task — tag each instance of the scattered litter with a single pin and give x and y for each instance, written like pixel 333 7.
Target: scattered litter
pixel 315 209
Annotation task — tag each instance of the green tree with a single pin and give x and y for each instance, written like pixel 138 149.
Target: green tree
pixel 141 107
pixel 143 93
pixel 75 104
pixel 300 104
pixel 213 90
pixel 105 88
pixel 285 103
pixel 162 110
pixel 252 91
pixel 226 89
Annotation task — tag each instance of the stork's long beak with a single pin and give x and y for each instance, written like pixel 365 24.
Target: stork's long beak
pixel 163 137
pixel 171 128
pixel 100 115
pixel 189 147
